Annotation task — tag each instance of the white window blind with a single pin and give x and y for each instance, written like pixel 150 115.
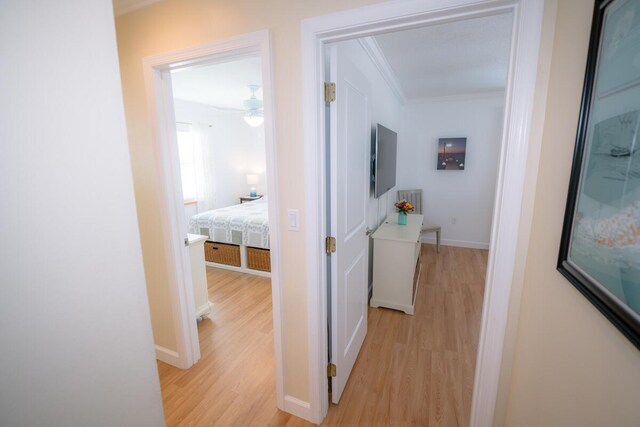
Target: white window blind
pixel 188 159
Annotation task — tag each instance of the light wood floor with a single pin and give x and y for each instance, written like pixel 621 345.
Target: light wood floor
pixel 412 370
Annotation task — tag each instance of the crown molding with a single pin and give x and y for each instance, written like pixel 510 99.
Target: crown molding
pixel 458 97
pixel 374 52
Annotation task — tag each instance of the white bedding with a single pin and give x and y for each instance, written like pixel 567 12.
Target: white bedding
pixel 244 224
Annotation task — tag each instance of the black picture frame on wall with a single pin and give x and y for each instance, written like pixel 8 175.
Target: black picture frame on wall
pixel 600 242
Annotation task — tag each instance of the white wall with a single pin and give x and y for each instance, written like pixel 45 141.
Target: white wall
pixel 236 149
pixel 464 197
pixel 74 317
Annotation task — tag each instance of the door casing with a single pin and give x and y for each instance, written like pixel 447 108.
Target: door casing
pixel 159 102
pixel 510 187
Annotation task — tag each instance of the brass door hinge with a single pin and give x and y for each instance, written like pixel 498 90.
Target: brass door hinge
pixel 329 92
pixel 331 370
pixel 330 244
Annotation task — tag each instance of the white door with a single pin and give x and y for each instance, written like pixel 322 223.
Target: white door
pixel 350 142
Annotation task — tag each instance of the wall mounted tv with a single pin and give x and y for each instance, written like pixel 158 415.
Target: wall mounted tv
pixel 384 160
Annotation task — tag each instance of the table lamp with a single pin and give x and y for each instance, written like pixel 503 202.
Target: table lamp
pixel 252 180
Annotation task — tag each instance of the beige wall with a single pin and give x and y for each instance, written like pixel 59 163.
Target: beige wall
pixel 174 24
pixel 572 367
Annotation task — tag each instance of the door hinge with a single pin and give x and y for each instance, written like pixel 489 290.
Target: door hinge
pixel 331 370
pixel 330 244
pixel 186 242
pixel 329 92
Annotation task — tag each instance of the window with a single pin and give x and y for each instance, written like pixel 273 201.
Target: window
pixel 187 153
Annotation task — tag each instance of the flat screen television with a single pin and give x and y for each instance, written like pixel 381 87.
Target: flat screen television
pixel 384 160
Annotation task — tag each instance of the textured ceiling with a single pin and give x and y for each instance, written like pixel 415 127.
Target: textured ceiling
pixel 222 85
pixel 457 58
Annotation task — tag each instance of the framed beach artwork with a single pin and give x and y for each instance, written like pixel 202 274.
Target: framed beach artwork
pixel 452 153
pixel 600 245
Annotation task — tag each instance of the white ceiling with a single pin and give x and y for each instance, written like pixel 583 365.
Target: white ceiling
pixel 222 85
pixel 456 58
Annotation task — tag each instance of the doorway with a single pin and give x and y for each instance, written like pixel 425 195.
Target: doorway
pixel 204 194
pixel 380 19
pixel 431 84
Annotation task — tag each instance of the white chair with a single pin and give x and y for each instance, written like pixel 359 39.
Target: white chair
pixel 415 198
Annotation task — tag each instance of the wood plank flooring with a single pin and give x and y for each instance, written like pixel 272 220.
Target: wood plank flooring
pixel 412 370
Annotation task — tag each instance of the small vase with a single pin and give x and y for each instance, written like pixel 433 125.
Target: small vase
pixel 402 218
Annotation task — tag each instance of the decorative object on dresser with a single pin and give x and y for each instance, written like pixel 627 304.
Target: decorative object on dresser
pixel 451 153
pixel 403 207
pixel 415 197
pixel 396 263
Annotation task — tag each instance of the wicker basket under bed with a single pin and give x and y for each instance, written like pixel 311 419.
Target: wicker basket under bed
pixel 222 253
pixel 258 259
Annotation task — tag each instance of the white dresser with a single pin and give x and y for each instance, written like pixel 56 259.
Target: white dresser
pixel 396 263
pixel 199 275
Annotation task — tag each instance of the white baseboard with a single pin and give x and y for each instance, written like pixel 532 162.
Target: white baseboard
pixel 297 407
pixel 167 356
pixel 456 243
pixel 238 269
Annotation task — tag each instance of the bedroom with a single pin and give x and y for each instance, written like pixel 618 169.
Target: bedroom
pixel 220 136
pixel 221 156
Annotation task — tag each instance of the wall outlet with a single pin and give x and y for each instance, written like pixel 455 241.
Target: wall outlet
pixel 454 220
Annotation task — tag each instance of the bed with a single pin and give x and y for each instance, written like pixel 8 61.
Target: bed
pixel 239 235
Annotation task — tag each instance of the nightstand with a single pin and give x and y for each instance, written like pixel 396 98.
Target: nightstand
pixel 249 198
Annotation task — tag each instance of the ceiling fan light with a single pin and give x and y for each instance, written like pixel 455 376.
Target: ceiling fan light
pixel 254 115
pixel 254 118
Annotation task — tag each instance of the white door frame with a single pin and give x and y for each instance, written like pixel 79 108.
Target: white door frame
pixel 393 16
pixel 160 104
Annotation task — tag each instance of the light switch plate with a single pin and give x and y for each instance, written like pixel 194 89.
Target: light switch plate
pixel 293 219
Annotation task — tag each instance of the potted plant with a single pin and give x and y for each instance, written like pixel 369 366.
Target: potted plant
pixel 403 207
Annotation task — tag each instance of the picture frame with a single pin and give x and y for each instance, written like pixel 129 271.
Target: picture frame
pixel 452 153
pixel 600 243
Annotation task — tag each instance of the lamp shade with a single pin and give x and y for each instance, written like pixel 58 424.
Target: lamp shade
pixel 254 118
pixel 252 179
